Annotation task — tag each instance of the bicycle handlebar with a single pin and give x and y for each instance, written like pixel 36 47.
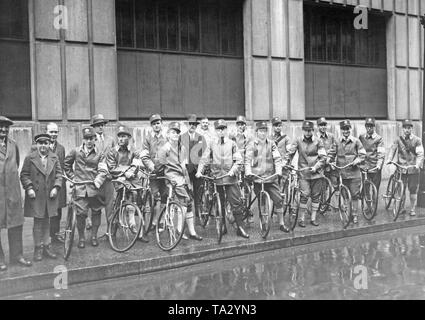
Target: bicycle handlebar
pixel 374 170
pixel 77 183
pixel 400 166
pixel 341 168
pixel 263 179
pixel 214 178
pixel 125 185
pixel 297 170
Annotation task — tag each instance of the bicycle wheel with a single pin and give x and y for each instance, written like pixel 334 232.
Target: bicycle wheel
pixel 369 200
pixel 246 191
pixel 218 216
pixel 399 199
pixel 71 222
pixel 285 196
pixel 125 227
pixel 293 207
pixel 389 194
pixel 325 195
pixel 147 211
pixel 264 211
pixel 345 206
pixel 170 227
pixel 204 205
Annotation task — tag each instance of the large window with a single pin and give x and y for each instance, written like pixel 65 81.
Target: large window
pixel 15 94
pixel 191 26
pixel 330 37
pixel 345 68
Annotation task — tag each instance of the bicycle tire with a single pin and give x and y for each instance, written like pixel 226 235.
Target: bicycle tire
pixel 264 212
pixel 399 194
pixel 291 214
pixel 204 206
pixel 286 198
pixel 345 206
pixel 218 216
pixel 369 200
pixel 71 222
pixel 170 236
pixel 325 195
pixel 147 213
pixel 389 194
pixel 121 237
pixel 246 191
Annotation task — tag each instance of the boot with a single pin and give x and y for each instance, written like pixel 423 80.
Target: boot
pixel 48 253
pixel 38 253
pixel 240 232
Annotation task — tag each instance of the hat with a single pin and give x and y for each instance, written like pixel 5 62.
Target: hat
pixel 174 126
pixel 240 119
pixel 88 133
pixel 123 130
pixel 276 121
pixel 321 121
pixel 261 125
pixel 345 124
pixel 307 125
pixel 98 119
pixel 370 122
pixel 7 121
pixel 192 119
pixel 155 117
pixel 42 137
pixel 220 124
pixel 407 123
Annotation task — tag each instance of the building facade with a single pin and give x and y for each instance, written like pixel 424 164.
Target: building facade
pixel 66 60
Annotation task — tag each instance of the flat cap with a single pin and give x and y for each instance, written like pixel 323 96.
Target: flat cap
pixel 407 123
pixel 307 125
pixel 88 133
pixel 123 130
pixel 220 124
pixel 345 124
pixel 370 122
pixel 240 119
pixel 276 121
pixel 261 125
pixel 155 117
pixel 42 137
pixel 174 126
pixel 321 121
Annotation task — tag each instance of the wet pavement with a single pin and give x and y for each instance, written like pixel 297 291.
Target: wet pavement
pixel 128 263
pixel 394 263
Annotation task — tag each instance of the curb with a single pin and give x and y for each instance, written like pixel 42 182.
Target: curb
pixel 26 284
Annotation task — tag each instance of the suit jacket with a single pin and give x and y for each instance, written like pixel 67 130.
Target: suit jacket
pixel 60 152
pixel 194 149
pixel 42 180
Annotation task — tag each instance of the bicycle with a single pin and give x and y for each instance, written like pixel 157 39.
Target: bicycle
pixel 215 206
pixel 344 197
pixel 171 221
pixel 125 227
pixel 291 197
pixel 368 195
pixel 396 190
pixel 264 206
pixel 71 219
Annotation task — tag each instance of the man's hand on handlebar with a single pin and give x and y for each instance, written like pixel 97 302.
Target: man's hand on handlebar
pixel 198 175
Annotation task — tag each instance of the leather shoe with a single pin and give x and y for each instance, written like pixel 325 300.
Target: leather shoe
pixel 301 224
pixel 241 233
pixel 38 253
pixel 195 237
pixel 314 223
pixel 185 237
pixel 94 242
pixel 48 253
pixel 81 244
pixel 3 267
pixel 23 262
pixel 284 229
pixel 143 239
pixel 57 239
pixel 224 229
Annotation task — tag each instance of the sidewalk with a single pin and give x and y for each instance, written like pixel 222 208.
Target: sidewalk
pixel 93 264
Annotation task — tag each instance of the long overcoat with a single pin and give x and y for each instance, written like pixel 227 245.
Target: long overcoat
pixel 42 181
pixel 11 210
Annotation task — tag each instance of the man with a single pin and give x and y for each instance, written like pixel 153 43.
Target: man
pixel 311 156
pixel 41 177
pixel 195 145
pixel 118 160
pixel 410 152
pixel 264 160
pixel 59 150
pixel 204 130
pixel 103 144
pixel 225 160
pixel 153 141
pixel 282 140
pixel 349 150
pixel 173 160
pixel 86 163
pixel 375 152
pixel 11 211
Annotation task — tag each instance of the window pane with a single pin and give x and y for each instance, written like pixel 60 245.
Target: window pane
pixel 189 26
pixel 13 19
pixel 209 26
pixel 146 24
pixel 168 26
pixel 125 33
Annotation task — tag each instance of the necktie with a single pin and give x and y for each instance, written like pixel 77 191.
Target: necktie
pixel 222 140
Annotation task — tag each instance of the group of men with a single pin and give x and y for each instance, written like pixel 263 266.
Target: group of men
pixel 184 159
